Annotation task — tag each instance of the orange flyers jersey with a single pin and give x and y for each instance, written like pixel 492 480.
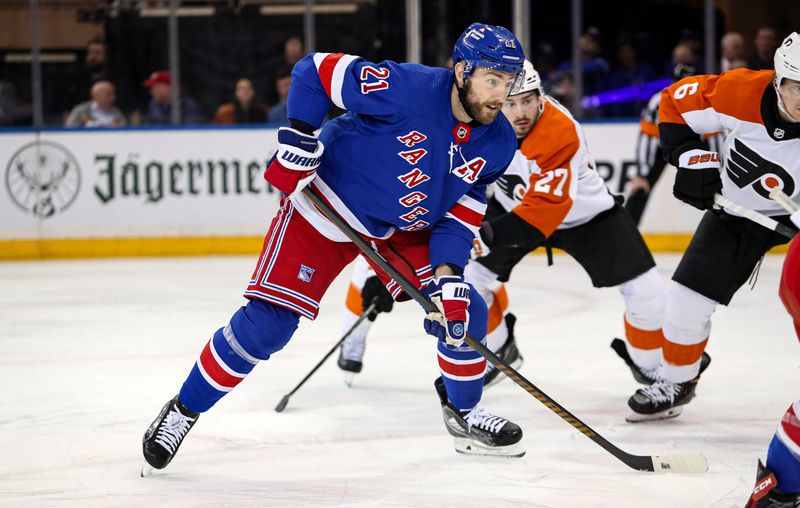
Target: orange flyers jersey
pixel 552 182
pixel 760 152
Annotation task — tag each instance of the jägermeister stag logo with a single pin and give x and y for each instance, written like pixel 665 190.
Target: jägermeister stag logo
pixel 43 178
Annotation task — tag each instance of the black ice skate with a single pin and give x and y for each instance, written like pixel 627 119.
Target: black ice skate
pixel 660 400
pixel 764 493
pixel 647 376
pixel 478 432
pixel 165 435
pixel 508 352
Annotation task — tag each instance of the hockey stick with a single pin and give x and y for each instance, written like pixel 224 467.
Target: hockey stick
pixel 785 201
pixel 756 217
pixel 679 463
pixel 285 400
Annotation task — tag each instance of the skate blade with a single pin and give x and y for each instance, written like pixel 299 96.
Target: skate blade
pixel 349 377
pixel 634 417
pixel 471 447
pixel 147 470
pixel 516 364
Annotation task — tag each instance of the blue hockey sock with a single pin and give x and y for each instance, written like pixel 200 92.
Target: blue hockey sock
pixel 462 372
pixel 255 332
pixel 785 465
pixel 462 367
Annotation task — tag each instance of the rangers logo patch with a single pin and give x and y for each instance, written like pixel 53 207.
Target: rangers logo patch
pixel 305 273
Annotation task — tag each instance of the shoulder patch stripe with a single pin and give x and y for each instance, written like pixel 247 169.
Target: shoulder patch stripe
pixel 325 63
pixel 338 79
pixel 331 68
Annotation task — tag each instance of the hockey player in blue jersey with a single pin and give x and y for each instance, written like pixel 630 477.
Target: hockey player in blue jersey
pixel 778 483
pixel 407 167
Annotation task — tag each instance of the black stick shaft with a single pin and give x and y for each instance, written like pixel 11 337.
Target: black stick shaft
pixel 639 462
pixel 360 319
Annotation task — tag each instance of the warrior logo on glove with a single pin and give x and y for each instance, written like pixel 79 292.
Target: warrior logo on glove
pixel 747 167
pixel 451 294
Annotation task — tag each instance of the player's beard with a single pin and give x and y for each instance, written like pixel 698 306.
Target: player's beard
pixel 476 109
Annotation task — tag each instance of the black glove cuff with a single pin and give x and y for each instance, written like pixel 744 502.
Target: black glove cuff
pixel 511 230
pixel 299 125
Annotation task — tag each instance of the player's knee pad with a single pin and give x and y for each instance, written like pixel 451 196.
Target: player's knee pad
pixel 260 328
pixel 644 300
pixel 687 314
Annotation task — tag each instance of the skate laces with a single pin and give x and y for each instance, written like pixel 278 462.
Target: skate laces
pixel 173 429
pixel 651 373
pixel 485 420
pixel 662 391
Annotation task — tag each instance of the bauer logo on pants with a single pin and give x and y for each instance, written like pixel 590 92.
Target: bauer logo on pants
pixel 43 178
pixel 305 273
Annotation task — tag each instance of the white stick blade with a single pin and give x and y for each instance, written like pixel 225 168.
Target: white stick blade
pixel 785 201
pixel 694 463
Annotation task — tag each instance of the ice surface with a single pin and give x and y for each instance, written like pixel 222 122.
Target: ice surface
pixel 91 350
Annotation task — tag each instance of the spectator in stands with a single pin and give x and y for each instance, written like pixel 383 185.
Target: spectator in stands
pixel 293 51
pixel 738 63
pixel 731 47
pixel 75 80
pixel 692 40
pixel 683 53
pixel 628 72
pixel 277 112
pixel 159 111
pixel 544 61
pixel 96 60
pixel 245 108
pixel 765 43
pixel 100 111
pixel 595 69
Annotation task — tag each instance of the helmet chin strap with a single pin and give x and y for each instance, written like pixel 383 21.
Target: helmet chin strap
pixel 781 106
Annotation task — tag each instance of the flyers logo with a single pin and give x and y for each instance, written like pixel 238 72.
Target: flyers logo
pixel 746 167
pixel 512 186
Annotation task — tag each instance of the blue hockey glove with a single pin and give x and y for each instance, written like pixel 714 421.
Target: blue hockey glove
pixel 296 162
pixel 451 295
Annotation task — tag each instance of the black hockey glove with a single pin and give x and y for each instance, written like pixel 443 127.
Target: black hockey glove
pixel 698 178
pixel 511 231
pixel 375 291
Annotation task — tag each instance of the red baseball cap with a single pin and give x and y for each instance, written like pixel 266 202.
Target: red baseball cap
pixel 157 77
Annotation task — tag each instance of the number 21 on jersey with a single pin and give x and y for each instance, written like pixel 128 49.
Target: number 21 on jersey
pixel 380 74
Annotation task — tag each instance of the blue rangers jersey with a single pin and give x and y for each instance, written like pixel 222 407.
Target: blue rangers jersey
pixel 398 160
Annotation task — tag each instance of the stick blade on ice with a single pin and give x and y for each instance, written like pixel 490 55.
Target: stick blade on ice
pixel 695 463
pixel 282 404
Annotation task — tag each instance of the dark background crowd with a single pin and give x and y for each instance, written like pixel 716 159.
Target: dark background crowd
pixel 236 58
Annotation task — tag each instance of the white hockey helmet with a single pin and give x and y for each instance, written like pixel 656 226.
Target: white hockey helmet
pixel 532 80
pixel 787 59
